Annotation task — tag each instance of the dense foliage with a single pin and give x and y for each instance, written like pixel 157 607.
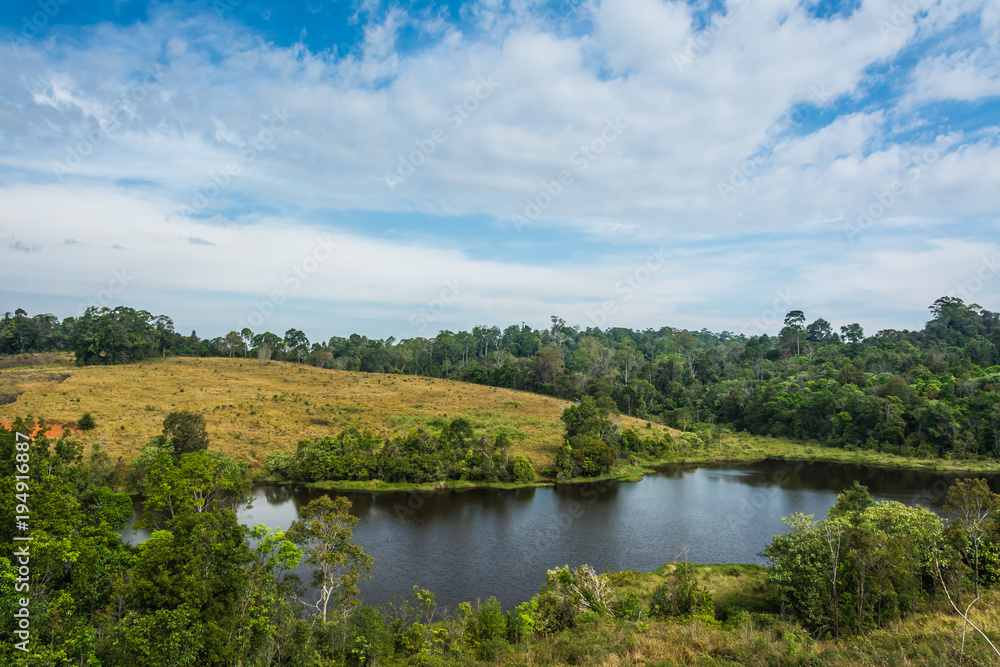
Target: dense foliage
pixel 206 590
pixel 933 392
pixel 452 452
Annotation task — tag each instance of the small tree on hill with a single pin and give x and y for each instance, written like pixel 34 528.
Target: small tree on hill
pixel 86 422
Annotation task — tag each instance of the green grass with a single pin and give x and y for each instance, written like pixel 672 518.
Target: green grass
pixel 745 448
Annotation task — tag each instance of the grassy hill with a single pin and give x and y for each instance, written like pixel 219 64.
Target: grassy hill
pixel 251 409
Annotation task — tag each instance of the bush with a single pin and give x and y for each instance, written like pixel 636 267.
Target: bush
pixel 279 463
pixel 681 596
pixel 524 472
pixel 486 630
pixel 661 603
pixel 628 607
pixel 86 422
pixel 372 640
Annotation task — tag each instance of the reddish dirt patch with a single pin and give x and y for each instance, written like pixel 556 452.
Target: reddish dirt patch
pixel 55 429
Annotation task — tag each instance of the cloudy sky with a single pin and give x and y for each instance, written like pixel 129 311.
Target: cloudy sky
pixel 401 168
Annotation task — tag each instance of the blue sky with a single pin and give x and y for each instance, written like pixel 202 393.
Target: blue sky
pixel 401 168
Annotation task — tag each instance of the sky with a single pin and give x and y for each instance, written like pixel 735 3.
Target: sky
pixel 397 169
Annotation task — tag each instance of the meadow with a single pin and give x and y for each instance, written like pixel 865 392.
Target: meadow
pixel 251 409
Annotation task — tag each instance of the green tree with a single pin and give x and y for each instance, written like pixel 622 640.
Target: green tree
pixel 296 341
pixel 523 471
pixel 863 565
pixel 852 333
pixel 233 340
pixel 819 330
pixel 324 533
pixel 86 422
pixel 114 336
pixel 794 327
pixel 265 614
pixel 853 501
pixel 186 431
pixel 201 561
pixel 163 638
pixel 196 482
pixel 972 503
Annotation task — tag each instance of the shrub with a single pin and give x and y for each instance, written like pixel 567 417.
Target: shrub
pixel 523 471
pixel 373 641
pixel 486 630
pixel 86 422
pixel 628 607
pixel 567 593
pixel 681 596
pixel 279 462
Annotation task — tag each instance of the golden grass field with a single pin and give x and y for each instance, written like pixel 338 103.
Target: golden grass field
pixel 251 409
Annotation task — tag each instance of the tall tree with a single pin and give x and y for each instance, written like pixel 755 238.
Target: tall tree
pixel 819 330
pixel 794 327
pixel 324 532
pixel 296 341
pixel 852 333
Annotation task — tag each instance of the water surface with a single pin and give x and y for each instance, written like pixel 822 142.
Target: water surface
pixel 465 545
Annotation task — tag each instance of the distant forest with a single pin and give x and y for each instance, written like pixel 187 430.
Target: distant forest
pixel 934 392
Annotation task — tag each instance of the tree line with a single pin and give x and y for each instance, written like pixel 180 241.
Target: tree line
pixel 933 392
pixel 593 443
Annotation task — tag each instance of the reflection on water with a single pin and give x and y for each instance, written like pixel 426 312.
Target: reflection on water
pixel 465 545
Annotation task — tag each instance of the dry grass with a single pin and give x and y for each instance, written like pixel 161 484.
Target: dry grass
pixel 252 409
pixel 20 372
pixel 930 638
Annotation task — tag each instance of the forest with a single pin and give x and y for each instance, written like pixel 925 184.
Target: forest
pixel 450 450
pixel 205 590
pixel 927 393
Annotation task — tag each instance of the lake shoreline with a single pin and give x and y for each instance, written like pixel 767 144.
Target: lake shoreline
pixel 756 450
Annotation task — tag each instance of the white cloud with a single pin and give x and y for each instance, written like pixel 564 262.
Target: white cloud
pixel 966 76
pixel 688 124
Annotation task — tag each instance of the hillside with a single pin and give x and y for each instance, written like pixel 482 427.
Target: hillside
pixel 251 409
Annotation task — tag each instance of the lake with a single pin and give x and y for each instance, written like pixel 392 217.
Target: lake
pixel 464 545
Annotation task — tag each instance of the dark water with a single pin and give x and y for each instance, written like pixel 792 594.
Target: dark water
pixel 473 544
